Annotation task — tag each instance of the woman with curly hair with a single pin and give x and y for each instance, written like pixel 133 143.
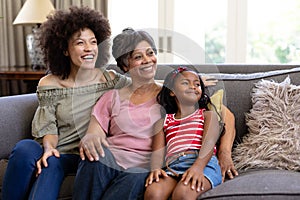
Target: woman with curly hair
pixel 70 41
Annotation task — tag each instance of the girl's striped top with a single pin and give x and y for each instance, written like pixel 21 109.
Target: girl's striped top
pixel 184 134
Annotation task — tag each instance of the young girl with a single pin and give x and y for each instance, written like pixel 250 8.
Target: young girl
pixel 186 127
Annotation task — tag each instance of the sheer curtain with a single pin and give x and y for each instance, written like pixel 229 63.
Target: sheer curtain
pixel 12 38
pixel 100 5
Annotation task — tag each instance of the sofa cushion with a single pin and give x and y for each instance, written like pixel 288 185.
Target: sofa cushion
pixel 273 139
pixel 261 184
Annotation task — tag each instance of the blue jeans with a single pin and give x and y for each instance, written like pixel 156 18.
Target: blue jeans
pixel 212 171
pixel 20 181
pixel 106 180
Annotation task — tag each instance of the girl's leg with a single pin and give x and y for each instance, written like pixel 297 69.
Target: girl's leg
pixel 21 169
pixel 47 185
pixel 185 192
pixel 213 177
pixel 161 190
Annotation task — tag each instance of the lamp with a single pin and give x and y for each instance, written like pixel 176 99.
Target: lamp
pixel 34 12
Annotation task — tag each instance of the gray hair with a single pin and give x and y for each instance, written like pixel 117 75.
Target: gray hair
pixel 125 43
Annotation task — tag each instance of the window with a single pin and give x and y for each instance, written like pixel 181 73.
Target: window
pixel 227 31
pixel 273 31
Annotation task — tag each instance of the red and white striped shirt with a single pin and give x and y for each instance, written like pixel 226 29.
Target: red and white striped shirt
pixel 184 134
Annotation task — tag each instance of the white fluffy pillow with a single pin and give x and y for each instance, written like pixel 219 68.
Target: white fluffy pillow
pixel 273 140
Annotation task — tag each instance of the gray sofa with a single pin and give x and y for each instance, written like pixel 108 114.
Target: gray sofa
pixel 16 113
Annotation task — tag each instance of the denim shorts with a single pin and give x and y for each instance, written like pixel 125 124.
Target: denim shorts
pixel 212 171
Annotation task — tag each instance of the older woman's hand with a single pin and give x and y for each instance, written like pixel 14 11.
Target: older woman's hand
pixel 209 80
pixel 227 166
pixel 91 145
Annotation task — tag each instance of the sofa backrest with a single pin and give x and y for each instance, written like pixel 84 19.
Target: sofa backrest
pixel 238 96
pixel 16 112
pixel 238 82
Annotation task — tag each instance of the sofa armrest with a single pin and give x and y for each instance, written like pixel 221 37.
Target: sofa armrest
pixel 16 113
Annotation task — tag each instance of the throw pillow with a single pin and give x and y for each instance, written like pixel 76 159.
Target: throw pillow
pixel 217 100
pixel 216 105
pixel 273 122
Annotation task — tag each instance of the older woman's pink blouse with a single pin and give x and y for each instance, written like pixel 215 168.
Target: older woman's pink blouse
pixel 129 128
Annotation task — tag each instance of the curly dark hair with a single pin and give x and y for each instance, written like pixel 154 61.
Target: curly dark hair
pixel 125 43
pixel 58 29
pixel 168 102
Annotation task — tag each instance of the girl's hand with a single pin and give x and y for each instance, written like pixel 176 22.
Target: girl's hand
pixel 195 176
pixel 91 146
pixel 154 176
pixel 42 162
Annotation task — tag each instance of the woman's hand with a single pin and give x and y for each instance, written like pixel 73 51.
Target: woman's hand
pixel 91 146
pixel 154 176
pixel 49 144
pixel 42 162
pixel 209 81
pixel 195 176
pixel 227 166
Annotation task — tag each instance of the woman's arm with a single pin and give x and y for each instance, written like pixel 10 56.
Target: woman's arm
pixel 49 143
pixel 226 143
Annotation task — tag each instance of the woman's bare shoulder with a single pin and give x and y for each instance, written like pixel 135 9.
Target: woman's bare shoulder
pixel 112 73
pixel 49 80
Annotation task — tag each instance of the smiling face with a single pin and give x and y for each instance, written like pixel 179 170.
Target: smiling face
pixel 83 49
pixel 187 88
pixel 142 62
